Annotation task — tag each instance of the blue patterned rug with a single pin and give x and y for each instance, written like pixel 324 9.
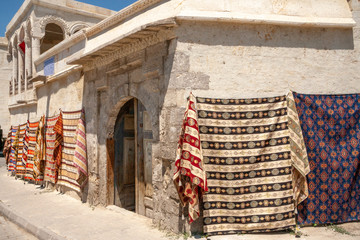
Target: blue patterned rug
pixel 331 129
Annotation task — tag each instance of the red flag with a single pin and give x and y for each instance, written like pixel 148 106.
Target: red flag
pixel 22 46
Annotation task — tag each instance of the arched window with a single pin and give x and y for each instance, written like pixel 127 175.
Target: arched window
pixel 53 35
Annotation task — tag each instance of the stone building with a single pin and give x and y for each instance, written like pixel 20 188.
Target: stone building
pixel 6 71
pixel 132 70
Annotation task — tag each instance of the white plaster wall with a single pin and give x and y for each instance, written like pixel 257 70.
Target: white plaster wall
pixel 304 8
pixel 242 61
pixel 65 93
pixel 5 76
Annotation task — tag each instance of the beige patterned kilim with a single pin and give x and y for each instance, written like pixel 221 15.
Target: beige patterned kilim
pixel 251 163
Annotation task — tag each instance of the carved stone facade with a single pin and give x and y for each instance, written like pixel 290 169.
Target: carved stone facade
pixel 27 33
pixel 155 53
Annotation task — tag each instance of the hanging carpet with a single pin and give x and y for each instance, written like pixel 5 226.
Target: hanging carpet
pixel 331 127
pixel 30 142
pixel 20 162
pixel 255 162
pixel 9 149
pixel 73 169
pixel 50 136
pixel 39 152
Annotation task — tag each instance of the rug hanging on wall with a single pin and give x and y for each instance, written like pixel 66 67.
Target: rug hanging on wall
pixel 73 170
pixel 20 162
pixel 255 162
pixel 39 152
pixel 50 135
pixel 331 127
pixel 31 141
pixel 12 158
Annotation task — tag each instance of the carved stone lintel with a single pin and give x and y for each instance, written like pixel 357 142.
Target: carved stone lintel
pixel 135 46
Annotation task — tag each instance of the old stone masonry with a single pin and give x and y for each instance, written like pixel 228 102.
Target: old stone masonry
pixel 95 102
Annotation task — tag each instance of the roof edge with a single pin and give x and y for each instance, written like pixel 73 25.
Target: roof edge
pixel 131 10
pixel 65 5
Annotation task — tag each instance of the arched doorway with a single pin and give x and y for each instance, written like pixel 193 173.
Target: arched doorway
pixel 132 159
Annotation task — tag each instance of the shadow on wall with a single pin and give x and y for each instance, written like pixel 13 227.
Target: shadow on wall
pixel 228 34
pixel 28 113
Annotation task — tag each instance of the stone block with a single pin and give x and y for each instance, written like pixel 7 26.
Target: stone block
pixel 168 151
pixel 149 213
pixel 176 116
pixel 189 80
pixel 157 50
pixel 139 55
pixel 136 75
pixel 148 202
pixel 170 98
pixel 181 62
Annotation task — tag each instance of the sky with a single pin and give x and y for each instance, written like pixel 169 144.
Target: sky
pixel 10 7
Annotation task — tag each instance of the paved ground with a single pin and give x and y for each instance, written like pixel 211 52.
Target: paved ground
pixel 9 230
pixel 66 217
pixel 50 215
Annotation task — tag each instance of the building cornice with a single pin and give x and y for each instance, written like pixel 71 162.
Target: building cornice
pixel 280 20
pixel 130 48
pixel 134 8
pixel 66 6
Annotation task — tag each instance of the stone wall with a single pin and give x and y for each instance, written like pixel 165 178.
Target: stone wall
pixel 211 59
pixel 6 70
pixel 242 61
pixel 107 88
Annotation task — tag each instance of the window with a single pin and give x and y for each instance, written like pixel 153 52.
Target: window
pixel 53 35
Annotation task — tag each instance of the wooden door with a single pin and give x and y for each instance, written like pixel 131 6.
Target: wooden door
pixel 124 153
pixel 144 187
pixel 132 159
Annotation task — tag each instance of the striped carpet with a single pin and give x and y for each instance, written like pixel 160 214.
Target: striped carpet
pixel 254 155
pixel 39 152
pixel 49 174
pixel 80 155
pixel 20 165
pixel 31 141
pixel 68 174
pixel 12 158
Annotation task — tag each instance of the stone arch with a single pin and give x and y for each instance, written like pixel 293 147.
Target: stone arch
pixel 54 34
pixel 56 20
pixel 125 166
pixel 119 101
pixel 77 26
